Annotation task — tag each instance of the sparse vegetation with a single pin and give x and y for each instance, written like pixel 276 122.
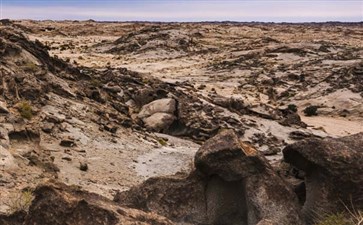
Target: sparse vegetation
pixel 163 142
pixel 336 219
pixel 30 67
pixel 20 201
pixel 95 82
pixel 311 110
pixel 292 107
pixel 25 110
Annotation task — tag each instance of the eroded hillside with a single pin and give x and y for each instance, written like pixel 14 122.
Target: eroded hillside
pixel 105 106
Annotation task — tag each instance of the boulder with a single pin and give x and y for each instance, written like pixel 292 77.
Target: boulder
pixel 166 105
pixel 292 119
pixel 159 121
pixel 58 204
pixel 180 197
pixel 224 155
pixel 232 184
pixel 334 177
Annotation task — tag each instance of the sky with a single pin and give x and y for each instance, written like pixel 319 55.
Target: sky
pixel 186 10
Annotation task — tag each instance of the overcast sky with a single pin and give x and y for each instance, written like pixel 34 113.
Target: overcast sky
pixel 186 10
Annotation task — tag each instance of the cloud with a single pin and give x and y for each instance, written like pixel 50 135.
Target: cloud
pixel 275 11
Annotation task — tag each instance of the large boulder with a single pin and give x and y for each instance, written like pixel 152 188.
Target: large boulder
pixel 159 114
pixel 224 155
pixel 159 121
pixel 232 184
pixel 166 105
pixel 334 173
pixel 58 204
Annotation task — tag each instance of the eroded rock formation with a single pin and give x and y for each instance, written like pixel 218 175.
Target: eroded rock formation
pixel 58 204
pixel 232 184
pixel 334 178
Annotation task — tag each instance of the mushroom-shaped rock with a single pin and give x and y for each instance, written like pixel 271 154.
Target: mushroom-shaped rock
pixel 232 184
pixel 57 204
pixel 224 155
pixel 334 173
pixel 166 105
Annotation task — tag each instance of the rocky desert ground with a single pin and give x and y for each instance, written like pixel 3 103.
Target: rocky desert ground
pixel 181 123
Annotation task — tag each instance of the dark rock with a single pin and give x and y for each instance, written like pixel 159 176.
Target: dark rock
pixel 67 143
pixel 179 198
pixel 292 119
pixel 232 184
pixel 112 88
pixel 16 218
pixel 224 155
pixel 333 173
pixel 47 127
pixel 5 22
pixel 299 135
pixel 67 158
pixel 83 166
pixel 58 204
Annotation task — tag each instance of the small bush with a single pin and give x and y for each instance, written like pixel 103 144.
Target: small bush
pixel 292 107
pixel 311 111
pixel 163 142
pixel 336 219
pixel 30 67
pixel 20 201
pixel 95 82
pixel 25 110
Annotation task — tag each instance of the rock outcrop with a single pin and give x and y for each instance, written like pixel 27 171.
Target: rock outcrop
pixel 58 204
pixel 232 184
pixel 334 178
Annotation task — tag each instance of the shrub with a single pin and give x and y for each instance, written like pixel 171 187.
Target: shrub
pixel 311 110
pixel 336 219
pixel 25 110
pixel 163 142
pixel 20 201
pixel 95 83
pixel 292 107
pixel 350 216
pixel 30 67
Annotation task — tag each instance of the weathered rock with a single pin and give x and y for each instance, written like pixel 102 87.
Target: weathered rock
pixel 83 166
pixel 333 170
pixel 292 119
pixel 7 161
pixel 167 105
pixel 112 88
pixel 232 184
pixel 180 198
pixel 3 108
pixel 47 127
pixel 159 121
pixel 58 204
pixel 224 155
